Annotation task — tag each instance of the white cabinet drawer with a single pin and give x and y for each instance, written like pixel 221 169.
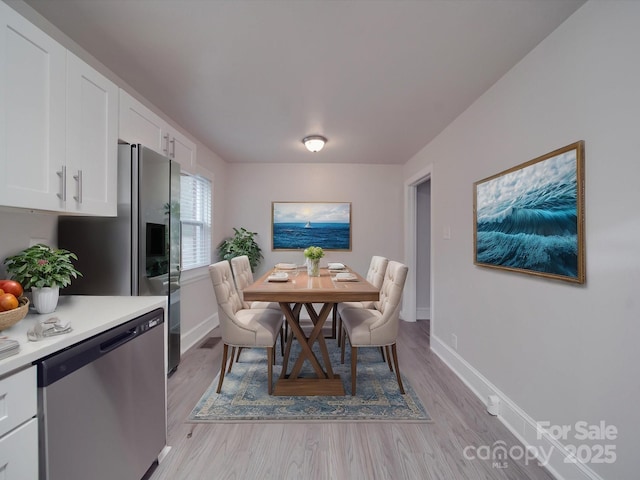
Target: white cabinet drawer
pixel 18 399
pixel 19 453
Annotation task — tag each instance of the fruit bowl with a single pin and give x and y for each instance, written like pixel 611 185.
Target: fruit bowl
pixel 11 317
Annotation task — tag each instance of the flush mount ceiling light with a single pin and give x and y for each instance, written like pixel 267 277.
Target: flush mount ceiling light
pixel 314 143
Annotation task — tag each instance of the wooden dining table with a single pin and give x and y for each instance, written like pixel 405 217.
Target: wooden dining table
pixel 300 290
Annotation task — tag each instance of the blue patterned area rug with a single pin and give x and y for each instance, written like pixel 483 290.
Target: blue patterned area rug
pixel 244 394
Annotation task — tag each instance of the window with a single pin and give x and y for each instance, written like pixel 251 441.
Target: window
pixel 195 217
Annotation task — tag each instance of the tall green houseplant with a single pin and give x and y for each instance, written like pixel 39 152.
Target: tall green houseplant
pixel 242 243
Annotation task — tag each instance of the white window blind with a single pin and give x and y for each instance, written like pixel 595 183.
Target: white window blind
pixel 195 216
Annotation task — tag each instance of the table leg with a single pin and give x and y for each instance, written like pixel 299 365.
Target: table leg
pixel 325 383
pixel 319 320
pixel 304 345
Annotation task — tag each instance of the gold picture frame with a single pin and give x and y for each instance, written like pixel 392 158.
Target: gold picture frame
pixel 530 218
pixel 298 225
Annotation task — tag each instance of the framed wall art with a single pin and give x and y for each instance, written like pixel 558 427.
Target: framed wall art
pixel 530 218
pixel 298 225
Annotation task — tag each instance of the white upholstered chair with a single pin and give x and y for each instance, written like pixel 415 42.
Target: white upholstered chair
pixel 242 327
pixel 378 326
pixel 375 276
pixel 243 276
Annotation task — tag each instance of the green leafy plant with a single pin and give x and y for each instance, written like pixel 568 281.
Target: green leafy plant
pixel 242 243
pixel 42 266
pixel 314 253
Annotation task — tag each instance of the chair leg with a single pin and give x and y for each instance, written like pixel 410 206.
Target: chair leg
pixel 233 354
pixel 382 353
pixel 395 362
pixel 343 340
pixel 388 358
pixel 225 351
pixel 270 355
pixel 238 355
pixel 354 362
pixel 334 331
pixel 339 327
pixel 282 340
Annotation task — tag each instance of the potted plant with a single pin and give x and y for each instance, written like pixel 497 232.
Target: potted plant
pixel 242 243
pixel 44 270
pixel 313 256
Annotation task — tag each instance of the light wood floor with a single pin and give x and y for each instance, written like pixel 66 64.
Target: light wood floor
pixel 346 450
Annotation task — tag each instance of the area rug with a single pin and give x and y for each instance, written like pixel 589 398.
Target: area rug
pixel 244 394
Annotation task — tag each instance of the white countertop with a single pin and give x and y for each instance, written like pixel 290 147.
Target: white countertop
pixel 89 316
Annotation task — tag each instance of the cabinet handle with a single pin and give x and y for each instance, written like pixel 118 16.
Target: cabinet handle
pixel 166 144
pixel 63 183
pixel 78 179
pixel 173 148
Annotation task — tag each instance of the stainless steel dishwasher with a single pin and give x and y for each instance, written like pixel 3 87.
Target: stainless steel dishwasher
pixel 102 411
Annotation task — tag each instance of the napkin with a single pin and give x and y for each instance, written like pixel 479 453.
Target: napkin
pixel 286 266
pixel 346 277
pixel 278 277
pixel 48 328
pixel 335 266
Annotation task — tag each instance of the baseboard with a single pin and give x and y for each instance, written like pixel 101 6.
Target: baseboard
pixel 198 333
pixel 423 313
pixel 554 456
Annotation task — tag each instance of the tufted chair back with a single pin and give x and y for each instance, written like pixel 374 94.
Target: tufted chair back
pixel 386 327
pixel 227 297
pixel 375 275
pixel 243 275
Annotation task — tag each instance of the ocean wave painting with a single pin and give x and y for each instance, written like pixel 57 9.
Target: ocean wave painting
pixel 529 218
pixel 300 225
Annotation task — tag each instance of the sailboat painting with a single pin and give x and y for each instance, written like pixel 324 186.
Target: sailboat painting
pixel 530 218
pixel 297 225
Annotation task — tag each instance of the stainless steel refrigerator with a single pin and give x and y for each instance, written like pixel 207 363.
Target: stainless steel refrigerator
pixel 137 252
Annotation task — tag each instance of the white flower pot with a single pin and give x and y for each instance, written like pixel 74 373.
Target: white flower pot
pixel 45 299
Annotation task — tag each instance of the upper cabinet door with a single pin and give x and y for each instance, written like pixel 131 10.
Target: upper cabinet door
pixel 32 113
pixel 138 124
pixel 92 140
pixel 181 149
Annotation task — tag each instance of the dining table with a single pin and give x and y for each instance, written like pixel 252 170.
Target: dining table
pixel 293 290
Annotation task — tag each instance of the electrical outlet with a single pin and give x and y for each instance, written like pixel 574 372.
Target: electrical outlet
pixel 454 341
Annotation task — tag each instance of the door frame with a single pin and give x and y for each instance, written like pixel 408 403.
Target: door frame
pixel 409 304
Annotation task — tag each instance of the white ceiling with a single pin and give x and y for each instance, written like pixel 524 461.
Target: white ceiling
pixel 249 79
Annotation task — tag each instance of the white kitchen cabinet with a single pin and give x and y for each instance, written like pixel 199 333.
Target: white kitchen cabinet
pixel 58 125
pixel 138 124
pixel 92 140
pixel 181 149
pixel 18 426
pixel 32 114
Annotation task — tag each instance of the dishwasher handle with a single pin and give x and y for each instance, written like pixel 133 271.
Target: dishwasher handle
pixel 115 342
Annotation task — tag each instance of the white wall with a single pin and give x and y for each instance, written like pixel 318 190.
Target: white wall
pixel 375 193
pixel 555 351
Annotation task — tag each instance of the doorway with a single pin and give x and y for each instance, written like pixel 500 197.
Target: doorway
pixel 418 298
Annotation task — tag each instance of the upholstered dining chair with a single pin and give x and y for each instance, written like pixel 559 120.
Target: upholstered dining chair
pixel 378 326
pixel 375 276
pixel 242 327
pixel 241 268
